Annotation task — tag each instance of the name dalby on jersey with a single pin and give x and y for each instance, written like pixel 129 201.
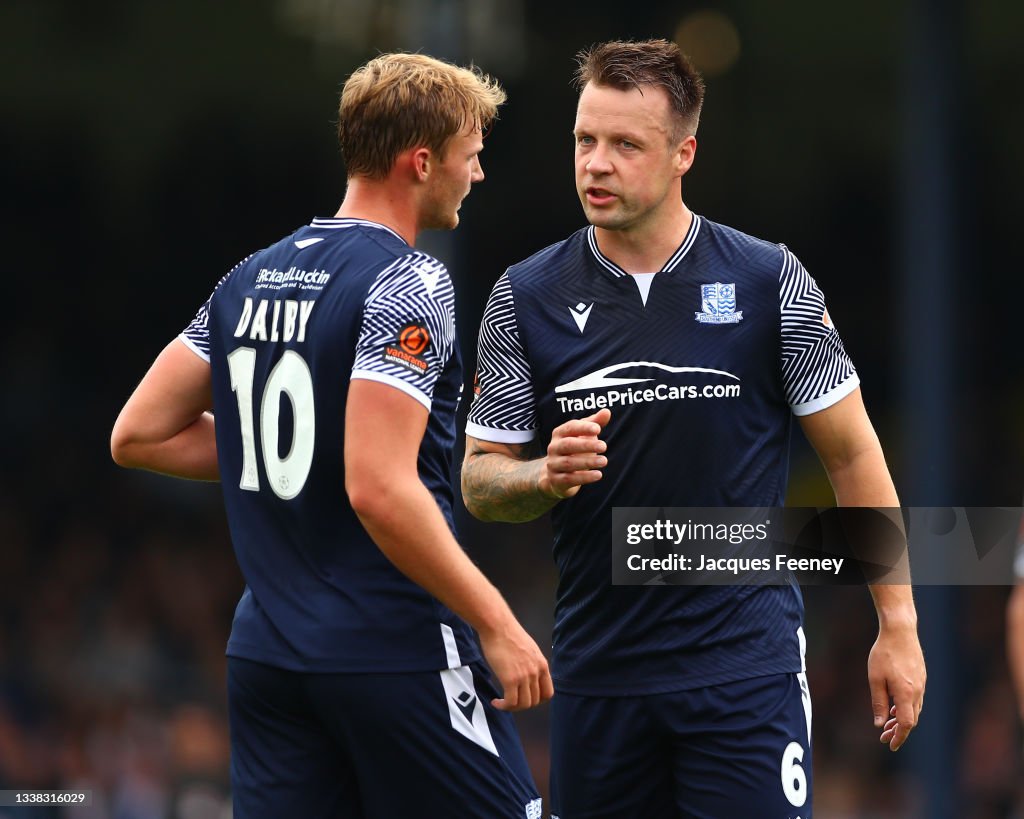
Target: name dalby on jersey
pixel 718 304
pixel 274 319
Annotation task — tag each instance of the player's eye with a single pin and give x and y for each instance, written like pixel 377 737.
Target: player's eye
pixel 583 139
pixel 627 144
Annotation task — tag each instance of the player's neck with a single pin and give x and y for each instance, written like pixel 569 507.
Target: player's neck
pixel 381 202
pixel 645 248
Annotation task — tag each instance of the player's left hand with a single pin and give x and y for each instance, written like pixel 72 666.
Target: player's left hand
pixel 896 675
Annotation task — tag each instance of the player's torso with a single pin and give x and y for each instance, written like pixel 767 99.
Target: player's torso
pixel 284 329
pixel 692 377
pixel 698 418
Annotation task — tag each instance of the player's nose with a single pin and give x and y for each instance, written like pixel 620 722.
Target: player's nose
pixel 599 163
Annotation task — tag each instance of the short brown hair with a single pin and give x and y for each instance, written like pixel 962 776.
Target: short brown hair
pixel 626 64
pixel 400 101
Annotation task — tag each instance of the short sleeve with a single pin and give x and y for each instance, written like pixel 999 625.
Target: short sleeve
pixel 503 408
pixel 816 371
pixel 196 336
pixel 407 335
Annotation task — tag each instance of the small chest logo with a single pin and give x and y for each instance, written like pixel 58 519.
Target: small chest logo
pixel 580 313
pixel 718 304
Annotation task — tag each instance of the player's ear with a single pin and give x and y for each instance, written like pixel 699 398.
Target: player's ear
pixel 684 154
pixel 422 163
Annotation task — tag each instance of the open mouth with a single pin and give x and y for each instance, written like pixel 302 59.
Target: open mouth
pixel 599 196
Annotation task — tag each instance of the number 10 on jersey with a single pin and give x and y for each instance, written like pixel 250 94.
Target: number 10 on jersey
pixel 291 378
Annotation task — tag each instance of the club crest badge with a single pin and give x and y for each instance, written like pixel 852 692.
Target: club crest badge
pixel 718 304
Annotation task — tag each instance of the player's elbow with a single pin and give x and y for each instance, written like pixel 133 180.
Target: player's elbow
pixel 128 453
pixel 133 443
pixel 477 509
pixel 369 497
pixel 471 498
pixel 124 445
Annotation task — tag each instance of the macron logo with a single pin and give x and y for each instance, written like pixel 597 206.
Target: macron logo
pixel 301 244
pixel 580 314
pixel 428 277
pixel 467 704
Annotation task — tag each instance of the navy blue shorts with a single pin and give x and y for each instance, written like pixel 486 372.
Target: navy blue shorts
pixel 373 746
pixel 738 750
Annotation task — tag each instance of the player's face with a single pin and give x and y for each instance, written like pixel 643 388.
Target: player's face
pixel 627 164
pixel 451 179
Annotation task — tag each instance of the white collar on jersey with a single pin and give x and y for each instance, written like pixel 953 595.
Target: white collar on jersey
pixel 673 260
pixel 334 222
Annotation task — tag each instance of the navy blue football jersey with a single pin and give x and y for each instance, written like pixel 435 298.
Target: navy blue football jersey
pixel 285 331
pixel 702 364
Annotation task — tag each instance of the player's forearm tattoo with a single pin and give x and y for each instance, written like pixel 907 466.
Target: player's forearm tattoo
pixel 497 487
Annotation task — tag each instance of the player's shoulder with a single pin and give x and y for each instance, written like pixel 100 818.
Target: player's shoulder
pixel 549 264
pixel 412 276
pixel 758 256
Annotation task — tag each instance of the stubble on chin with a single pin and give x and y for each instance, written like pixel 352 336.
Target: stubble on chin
pixel 604 219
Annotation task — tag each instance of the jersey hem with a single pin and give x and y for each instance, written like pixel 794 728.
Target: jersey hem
pixel 397 383
pixel 667 686
pixel 500 436
pixel 336 665
pixel 829 399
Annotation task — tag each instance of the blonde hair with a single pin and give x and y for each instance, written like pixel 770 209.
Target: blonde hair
pixel 401 101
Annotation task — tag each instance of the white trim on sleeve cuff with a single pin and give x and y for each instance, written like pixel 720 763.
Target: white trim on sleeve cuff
pixel 397 383
pixel 500 436
pixel 825 401
pixel 184 339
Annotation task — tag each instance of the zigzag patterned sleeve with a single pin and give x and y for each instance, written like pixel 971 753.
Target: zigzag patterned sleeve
pixel 503 408
pixel 408 331
pixel 816 371
pixel 197 335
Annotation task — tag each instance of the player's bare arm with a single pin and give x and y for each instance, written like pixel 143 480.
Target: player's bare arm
pixel 504 482
pixel 499 482
pixel 383 431
pixel 846 442
pixel 1015 642
pixel 166 425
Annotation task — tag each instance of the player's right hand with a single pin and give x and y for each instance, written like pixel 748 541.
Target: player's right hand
pixel 520 666
pixel 575 455
pixel 897 675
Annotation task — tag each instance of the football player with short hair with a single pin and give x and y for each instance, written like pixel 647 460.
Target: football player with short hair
pixel 655 359
pixel 329 359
